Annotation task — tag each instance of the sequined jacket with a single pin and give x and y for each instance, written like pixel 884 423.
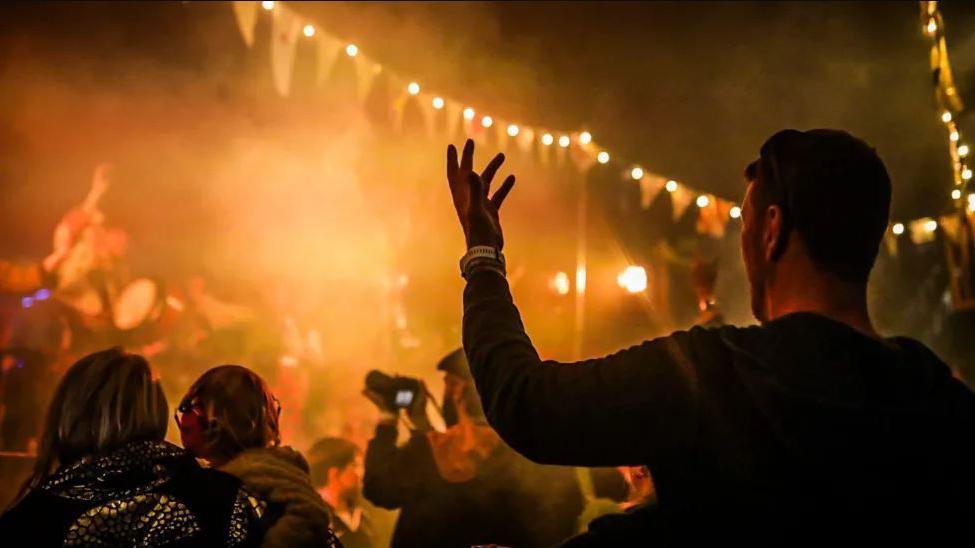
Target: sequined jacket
pixel 143 494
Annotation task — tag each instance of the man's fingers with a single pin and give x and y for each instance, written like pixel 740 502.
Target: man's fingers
pixel 467 159
pixel 451 162
pixel 492 168
pixel 502 192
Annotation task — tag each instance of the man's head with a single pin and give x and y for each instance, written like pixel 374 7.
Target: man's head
pixel 336 464
pixel 816 206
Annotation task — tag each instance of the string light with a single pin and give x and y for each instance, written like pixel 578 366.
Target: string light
pixel 897 229
pixel 946 116
pixel 633 279
pixel 585 138
pixel 487 121
pixel 671 186
pixel 547 139
pixel 966 174
pixel 309 30
pixel 564 141
pixel 268 5
pixel 413 88
pixel 703 201
pixel 602 157
pixel 955 194
pixel 468 113
pixel 513 132
pixel 931 225
pixel 636 173
pixel 953 136
pixel 438 103
pixel 735 212
pixel 963 150
pixel 352 50
pixel 561 283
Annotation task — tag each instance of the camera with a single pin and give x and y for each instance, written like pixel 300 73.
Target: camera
pixel 396 392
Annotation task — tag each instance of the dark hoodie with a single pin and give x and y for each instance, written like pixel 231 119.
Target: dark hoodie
pixel 796 431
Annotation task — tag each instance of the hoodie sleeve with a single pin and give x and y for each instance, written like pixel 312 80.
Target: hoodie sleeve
pixel 394 475
pixel 623 409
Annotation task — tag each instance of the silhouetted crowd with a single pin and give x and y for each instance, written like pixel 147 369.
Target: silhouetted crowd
pixel 808 428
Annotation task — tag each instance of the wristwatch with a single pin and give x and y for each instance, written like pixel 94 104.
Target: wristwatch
pixel 482 256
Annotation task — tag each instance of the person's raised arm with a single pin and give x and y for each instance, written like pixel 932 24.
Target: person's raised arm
pixel 623 409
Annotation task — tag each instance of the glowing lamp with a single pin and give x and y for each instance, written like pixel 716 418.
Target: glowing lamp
pixel 438 103
pixel 468 113
pixel 956 194
pixel 413 88
pixel 735 212
pixel 897 229
pixel 268 5
pixel 352 50
pixel 671 186
pixel 636 173
pixel 931 225
pixel 946 116
pixel 561 283
pixel 512 132
pixel 487 121
pixel 633 279
pixel 602 157
pixel 564 141
pixel 308 31
pixel 547 139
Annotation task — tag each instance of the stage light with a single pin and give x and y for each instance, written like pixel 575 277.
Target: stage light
pixel 564 141
pixel 585 137
pixel 735 212
pixel 703 201
pixel 268 5
pixel 955 194
pixel 946 116
pixel 602 157
pixel 931 225
pixel 547 139
pixel 438 103
pixel 413 88
pixel 636 173
pixel 633 279
pixel 932 26
pixel 897 229
pixel 953 136
pixel 966 174
pixel 487 121
pixel 963 150
pixel 561 283
pixel 512 130
pixel 352 50
pixel 468 113
pixel 671 186
pixel 309 30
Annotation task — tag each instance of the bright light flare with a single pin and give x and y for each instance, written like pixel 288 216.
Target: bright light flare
pixel 633 279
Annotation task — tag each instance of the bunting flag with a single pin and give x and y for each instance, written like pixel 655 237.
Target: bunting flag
pixel 526 140
pixel 429 114
pixel 246 15
pixel 713 217
pixel 454 118
pixel 650 187
pixel 923 230
pixel 329 49
pixel 285 27
pixel 366 71
pixel 680 198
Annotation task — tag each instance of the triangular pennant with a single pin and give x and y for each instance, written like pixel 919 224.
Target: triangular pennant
pixel 923 230
pixel 399 107
pixel 680 198
pixel 454 117
pixel 583 156
pixel 285 27
pixel 429 114
pixel 713 217
pixel 526 139
pixel 329 49
pixel 366 71
pixel 650 187
pixel 246 15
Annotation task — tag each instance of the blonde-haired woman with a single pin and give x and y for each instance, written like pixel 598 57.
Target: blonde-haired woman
pixel 104 476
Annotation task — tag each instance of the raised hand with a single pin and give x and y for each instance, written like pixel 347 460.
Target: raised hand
pixel 478 214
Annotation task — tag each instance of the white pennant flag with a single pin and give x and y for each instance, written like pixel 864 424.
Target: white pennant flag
pixel 329 48
pixel 680 198
pixel 246 15
pixel 650 187
pixel 284 38
pixel 366 71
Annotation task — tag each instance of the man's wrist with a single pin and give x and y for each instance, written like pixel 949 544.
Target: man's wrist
pixel 482 257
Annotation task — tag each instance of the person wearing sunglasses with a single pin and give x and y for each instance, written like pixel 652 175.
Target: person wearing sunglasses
pixel 810 426
pixel 229 418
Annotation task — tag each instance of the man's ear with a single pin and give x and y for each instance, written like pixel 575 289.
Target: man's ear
pixel 774 238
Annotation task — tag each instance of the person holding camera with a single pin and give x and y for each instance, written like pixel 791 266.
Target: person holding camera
pixel 464 486
pixel 808 427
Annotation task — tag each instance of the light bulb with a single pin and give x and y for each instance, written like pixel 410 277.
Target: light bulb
pixel 703 201
pixel 487 121
pixel 633 279
pixel 547 139
pixel 955 194
pixel 671 186
pixel 963 150
pixel 268 5
pixel 413 88
pixel 636 173
pixel 308 31
pixel 966 174
pixel 564 141
pixel 735 212
pixel 352 50
pixel 953 136
pixel 932 26
pixel 897 229
pixel 561 283
pixel 585 137
pixel 512 132
pixel 468 113
pixel 438 103
pixel 602 157
pixel 946 116
pixel 931 225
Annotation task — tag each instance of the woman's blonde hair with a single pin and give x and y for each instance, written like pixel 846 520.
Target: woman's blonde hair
pixel 104 401
pixel 238 409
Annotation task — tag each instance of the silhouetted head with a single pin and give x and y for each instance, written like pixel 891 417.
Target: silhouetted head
pixel 816 205
pixel 336 464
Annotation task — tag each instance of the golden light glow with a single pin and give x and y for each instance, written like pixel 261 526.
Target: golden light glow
pixel 413 88
pixel 268 5
pixel 633 279
pixel 468 113
pixel 352 50
pixel 636 173
pixel 547 139
pixel 512 132
pixel 703 201
pixel 953 136
pixel 438 103
pixel 932 26
pixel 487 121
pixel 735 212
pixel 581 280
pixel 931 225
pixel 564 141
pixel 946 116
pixel 585 137
pixel 561 283
pixel 971 203
pixel 602 157
pixel 308 31
pixel 963 150
pixel 966 174
pixel 897 229
pixel 955 194
pixel 671 186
